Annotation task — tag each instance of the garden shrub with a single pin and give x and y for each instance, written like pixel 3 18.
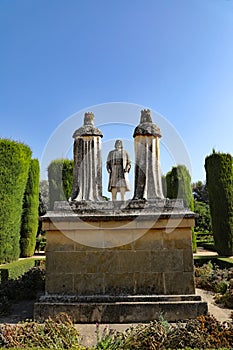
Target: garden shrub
pixel 59 333
pixel 29 223
pixel 14 165
pixel 204 332
pixel 60 176
pixel 219 281
pixel 17 268
pixel 219 179
pixel 26 287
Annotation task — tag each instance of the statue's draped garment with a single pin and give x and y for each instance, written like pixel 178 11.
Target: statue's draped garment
pixel 87 178
pixel 148 181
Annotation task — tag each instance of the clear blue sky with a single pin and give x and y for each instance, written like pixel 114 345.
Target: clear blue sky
pixel 174 56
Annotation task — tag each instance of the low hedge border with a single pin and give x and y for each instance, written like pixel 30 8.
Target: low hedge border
pixel 17 268
pixel 216 260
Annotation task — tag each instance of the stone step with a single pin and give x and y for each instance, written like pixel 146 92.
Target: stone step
pixel 120 311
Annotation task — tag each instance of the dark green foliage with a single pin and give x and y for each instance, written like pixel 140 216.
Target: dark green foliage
pixel 178 182
pixel 60 176
pixel 200 192
pixel 14 165
pixel 29 223
pixel 26 287
pixel 203 220
pixel 15 269
pixel 67 177
pixel 219 179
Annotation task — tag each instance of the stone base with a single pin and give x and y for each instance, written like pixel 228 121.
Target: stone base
pixel 121 309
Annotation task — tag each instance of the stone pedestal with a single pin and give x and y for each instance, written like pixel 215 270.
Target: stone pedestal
pixel 120 262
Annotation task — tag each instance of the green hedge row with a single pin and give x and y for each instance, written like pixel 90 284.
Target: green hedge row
pixel 219 179
pixel 17 268
pixel 60 176
pixel 14 165
pixel 29 223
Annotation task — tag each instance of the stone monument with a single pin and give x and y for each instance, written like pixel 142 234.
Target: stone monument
pixel 118 167
pixel 148 184
pixel 114 261
pixel 87 179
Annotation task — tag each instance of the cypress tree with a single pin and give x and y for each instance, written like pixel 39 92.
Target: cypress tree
pixel 178 182
pixel 60 176
pixel 219 179
pixel 14 165
pixel 29 224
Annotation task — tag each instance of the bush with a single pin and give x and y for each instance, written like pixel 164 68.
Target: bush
pixel 204 332
pixel 53 334
pixel 60 176
pixel 14 165
pixel 17 268
pixel 219 281
pixel 219 178
pixel 29 223
pixel 26 287
pixel 203 220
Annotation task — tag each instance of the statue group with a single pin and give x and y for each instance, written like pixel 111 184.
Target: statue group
pixel 87 180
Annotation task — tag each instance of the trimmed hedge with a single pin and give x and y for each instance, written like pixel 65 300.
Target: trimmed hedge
pixel 178 182
pixel 14 165
pixel 17 268
pixel 29 223
pixel 219 179
pixel 60 176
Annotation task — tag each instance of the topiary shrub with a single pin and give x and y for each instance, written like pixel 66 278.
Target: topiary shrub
pixel 29 224
pixel 219 179
pixel 14 165
pixel 60 176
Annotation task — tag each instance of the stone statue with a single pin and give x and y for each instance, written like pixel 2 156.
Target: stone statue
pixel 118 167
pixel 87 178
pixel 148 181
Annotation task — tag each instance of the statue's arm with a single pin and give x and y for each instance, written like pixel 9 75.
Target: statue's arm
pixel 128 163
pixel 109 163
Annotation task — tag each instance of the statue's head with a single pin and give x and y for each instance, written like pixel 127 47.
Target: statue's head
pixel 118 144
pixel 89 118
pixel 146 116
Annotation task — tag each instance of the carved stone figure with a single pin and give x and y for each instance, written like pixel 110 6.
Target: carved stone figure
pixel 148 182
pixel 87 179
pixel 118 167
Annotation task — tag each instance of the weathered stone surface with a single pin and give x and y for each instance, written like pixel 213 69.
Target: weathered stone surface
pixel 147 179
pixel 136 254
pixel 87 178
pixel 123 310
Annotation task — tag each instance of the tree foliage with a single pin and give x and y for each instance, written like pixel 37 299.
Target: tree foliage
pixel 29 223
pixel 219 179
pixel 200 192
pixel 14 165
pixel 60 176
pixel 178 182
